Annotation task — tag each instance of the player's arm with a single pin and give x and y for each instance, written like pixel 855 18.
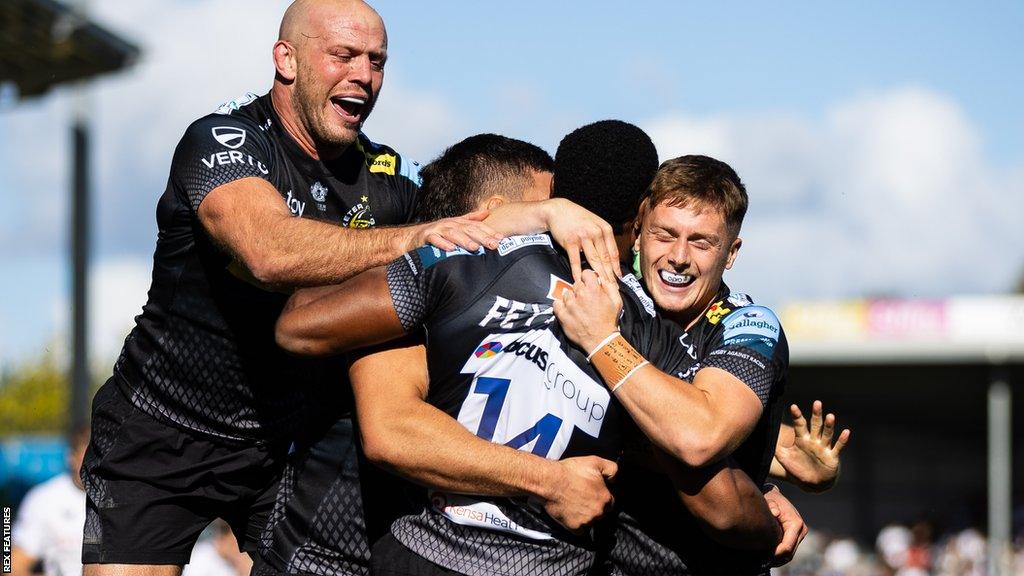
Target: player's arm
pixel 725 501
pixel 333 319
pixel 806 456
pixel 698 424
pixel 576 229
pixel 248 219
pixel 401 432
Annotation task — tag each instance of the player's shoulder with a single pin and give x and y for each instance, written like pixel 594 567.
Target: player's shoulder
pixel 427 257
pixel 740 320
pixel 232 124
pixel 385 161
pixel 635 294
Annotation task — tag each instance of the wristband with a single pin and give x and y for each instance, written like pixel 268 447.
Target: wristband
pixel 616 361
pixel 607 339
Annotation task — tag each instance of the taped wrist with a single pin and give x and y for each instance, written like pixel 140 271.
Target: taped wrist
pixel 616 360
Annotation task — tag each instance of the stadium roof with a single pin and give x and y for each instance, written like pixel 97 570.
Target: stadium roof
pixel 44 43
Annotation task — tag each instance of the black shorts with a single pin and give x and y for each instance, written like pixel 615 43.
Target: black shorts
pixel 392 558
pixel 331 506
pixel 151 487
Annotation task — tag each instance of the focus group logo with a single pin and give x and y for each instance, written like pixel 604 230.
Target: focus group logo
pixel 529 395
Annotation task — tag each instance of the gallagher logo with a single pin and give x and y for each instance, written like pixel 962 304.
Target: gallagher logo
pixel 488 350
pixel 230 137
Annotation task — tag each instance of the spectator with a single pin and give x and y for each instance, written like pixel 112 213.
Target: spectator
pixel 48 530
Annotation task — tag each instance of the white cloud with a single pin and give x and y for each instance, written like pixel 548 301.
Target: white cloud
pixel 887 194
pixel 118 289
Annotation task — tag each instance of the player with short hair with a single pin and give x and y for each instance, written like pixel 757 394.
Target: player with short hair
pixel 268 193
pixel 736 360
pixel 510 335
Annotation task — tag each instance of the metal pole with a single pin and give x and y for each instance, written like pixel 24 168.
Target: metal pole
pixel 999 480
pixel 80 244
pixel 79 271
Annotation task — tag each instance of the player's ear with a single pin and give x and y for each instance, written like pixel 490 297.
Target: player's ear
pixel 734 250
pixel 284 60
pixel 494 202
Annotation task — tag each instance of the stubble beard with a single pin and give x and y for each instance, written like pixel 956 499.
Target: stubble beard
pixel 311 110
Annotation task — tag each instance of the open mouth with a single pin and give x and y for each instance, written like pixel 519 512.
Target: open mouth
pixel 676 280
pixel 350 108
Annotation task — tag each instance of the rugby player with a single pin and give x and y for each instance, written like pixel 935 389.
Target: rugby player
pixel 268 192
pixel 736 360
pixel 441 534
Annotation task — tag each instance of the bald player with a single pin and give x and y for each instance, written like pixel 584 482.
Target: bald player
pixel 267 193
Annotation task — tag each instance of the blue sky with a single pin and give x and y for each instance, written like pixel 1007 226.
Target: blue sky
pixel 880 142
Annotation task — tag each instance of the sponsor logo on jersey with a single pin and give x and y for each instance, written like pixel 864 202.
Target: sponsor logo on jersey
pixel 690 349
pixel 359 216
pixel 532 396
pixel 755 327
pixel 382 163
pixel 634 285
pixel 717 312
pixel 556 287
pixel 319 191
pixel 233 157
pixel 229 136
pixel 513 243
pixel 466 511
pixel 296 206
pixel 515 315
pixel 231 106
pixel 430 255
pixel 488 350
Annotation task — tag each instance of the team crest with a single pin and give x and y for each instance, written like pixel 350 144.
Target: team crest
pixel 319 191
pixel 717 312
pixel 359 216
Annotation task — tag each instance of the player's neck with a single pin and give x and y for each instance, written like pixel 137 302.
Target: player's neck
pixel 280 99
pixel 688 318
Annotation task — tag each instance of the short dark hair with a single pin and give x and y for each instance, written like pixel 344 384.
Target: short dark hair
pixel 703 182
pixel 473 169
pixel 606 167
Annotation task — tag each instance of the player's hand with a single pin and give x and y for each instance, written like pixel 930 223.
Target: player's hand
pixel 589 311
pixel 581 493
pixel 577 230
pixel 810 459
pixel 793 527
pixel 468 232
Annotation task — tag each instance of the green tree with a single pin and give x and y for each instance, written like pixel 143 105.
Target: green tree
pixel 34 397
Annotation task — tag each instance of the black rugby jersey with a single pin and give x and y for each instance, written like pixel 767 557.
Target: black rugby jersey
pixel 655 533
pixel 503 368
pixel 202 353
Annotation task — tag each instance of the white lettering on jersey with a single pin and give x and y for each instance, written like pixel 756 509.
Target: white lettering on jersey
pixel 233 157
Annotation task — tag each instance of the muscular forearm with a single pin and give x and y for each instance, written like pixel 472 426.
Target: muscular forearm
pixel 418 444
pixel 304 252
pixel 334 319
pixel 687 421
pixel 728 505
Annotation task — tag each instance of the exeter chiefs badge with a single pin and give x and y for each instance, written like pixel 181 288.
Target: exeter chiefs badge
pixel 319 191
pixel 716 312
pixel 359 216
